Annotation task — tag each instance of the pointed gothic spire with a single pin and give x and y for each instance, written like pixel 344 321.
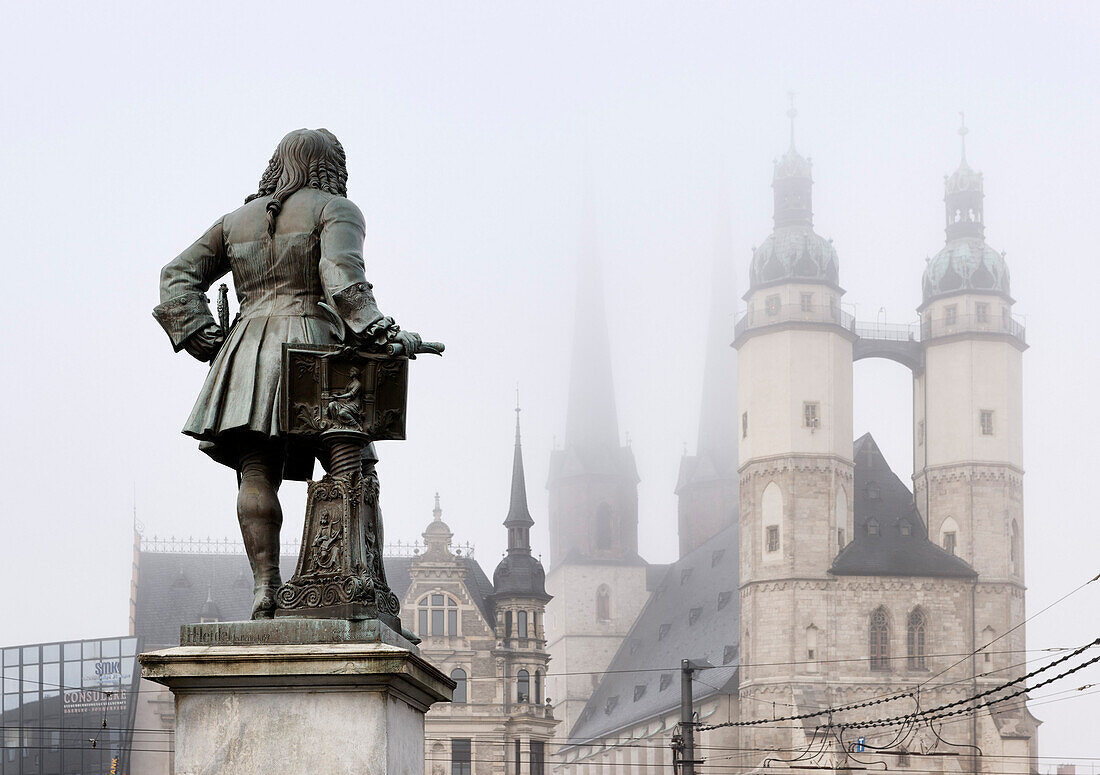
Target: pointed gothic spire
pixel 592 419
pixel 792 113
pixel 718 422
pixel 519 519
pixel 962 134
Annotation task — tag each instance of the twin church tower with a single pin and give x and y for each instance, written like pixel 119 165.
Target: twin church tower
pixel 849 583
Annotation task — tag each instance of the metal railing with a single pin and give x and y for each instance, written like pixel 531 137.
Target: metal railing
pixel 888 332
pixel 971 324
pixel 417 548
pixel 793 313
pixel 192 545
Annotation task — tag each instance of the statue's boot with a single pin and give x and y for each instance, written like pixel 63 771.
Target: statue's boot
pixel 261 518
pixel 262 545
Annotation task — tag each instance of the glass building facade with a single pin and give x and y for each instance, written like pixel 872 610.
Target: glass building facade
pixel 68 707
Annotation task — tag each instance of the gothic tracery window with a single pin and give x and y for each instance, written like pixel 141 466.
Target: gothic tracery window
pixel 916 631
pixel 880 640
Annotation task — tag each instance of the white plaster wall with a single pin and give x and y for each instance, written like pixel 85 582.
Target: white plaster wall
pixel 778 371
pixel 964 375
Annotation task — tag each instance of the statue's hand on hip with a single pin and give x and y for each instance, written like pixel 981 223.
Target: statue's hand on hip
pixel 204 344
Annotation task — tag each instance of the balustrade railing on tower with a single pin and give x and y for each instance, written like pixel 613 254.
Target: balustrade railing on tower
pixel 773 314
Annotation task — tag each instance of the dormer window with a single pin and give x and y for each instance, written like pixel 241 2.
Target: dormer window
pixel 872 527
pixel 693 615
pixel 906 527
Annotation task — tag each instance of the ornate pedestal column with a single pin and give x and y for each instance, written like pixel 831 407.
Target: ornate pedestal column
pixel 297 697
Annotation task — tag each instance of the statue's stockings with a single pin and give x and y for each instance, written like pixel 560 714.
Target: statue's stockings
pixel 261 518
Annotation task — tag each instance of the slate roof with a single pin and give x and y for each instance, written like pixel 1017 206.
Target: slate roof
pixel 172 589
pixel 694 612
pixel 884 510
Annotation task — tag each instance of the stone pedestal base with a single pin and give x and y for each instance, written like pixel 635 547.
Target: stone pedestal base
pixel 296 709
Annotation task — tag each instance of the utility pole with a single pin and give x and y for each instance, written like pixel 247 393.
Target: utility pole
pixel 686 745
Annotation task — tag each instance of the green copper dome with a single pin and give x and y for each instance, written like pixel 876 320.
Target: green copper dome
pixel 965 265
pixel 794 253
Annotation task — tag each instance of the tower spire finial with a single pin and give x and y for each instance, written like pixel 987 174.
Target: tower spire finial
pixel 962 134
pixel 791 114
pixel 518 410
pixel 437 512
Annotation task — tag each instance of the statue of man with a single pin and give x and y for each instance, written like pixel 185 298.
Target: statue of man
pixel 297 243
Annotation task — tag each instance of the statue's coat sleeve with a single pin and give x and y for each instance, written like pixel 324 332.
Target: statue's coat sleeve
pixel 342 271
pixel 184 308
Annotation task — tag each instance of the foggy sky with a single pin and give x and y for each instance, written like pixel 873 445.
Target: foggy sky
pixel 129 128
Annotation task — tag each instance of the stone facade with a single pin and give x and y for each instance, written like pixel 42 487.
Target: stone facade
pixel 484 640
pixel 851 588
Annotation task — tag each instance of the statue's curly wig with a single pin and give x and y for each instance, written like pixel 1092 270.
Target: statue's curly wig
pixel 305 158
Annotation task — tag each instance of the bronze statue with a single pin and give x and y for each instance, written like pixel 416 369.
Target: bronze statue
pixel 295 250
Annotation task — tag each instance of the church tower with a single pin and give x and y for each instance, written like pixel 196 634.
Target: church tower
pixel 596 578
pixel 707 485
pixel 794 350
pixel 968 410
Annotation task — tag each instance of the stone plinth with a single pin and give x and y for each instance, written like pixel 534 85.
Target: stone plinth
pixel 339 708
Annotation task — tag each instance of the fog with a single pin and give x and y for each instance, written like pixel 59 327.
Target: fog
pixel 480 137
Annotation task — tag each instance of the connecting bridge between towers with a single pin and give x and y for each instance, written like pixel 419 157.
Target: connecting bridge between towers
pixel 902 343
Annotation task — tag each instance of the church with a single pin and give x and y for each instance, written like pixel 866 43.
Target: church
pixel 809 577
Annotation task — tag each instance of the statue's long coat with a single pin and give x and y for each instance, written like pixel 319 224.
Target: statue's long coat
pixel 316 252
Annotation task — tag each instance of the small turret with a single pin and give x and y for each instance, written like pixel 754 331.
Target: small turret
pixel 519 573
pixel 966 263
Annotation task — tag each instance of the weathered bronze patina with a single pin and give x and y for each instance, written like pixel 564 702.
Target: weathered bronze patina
pixel 295 251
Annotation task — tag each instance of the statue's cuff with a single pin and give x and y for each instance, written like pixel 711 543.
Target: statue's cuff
pixel 359 310
pixel 182 316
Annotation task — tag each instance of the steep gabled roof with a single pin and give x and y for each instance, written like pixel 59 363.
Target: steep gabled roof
pixel 173 589
pixel 693 613
pixel 890 538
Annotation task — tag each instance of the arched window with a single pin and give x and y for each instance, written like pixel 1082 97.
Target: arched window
pixel 603 603
pixel 437 614
pixel 458 675
pixel 538 687
pixel 811 649
pixel 603 527
pixel 507 624
pixel 523 686
pixel 916 630
pixel 841 517
pixel 949 535
pixel 1014 549
pixel 521 624
pixel 988 634
pixel 880 640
